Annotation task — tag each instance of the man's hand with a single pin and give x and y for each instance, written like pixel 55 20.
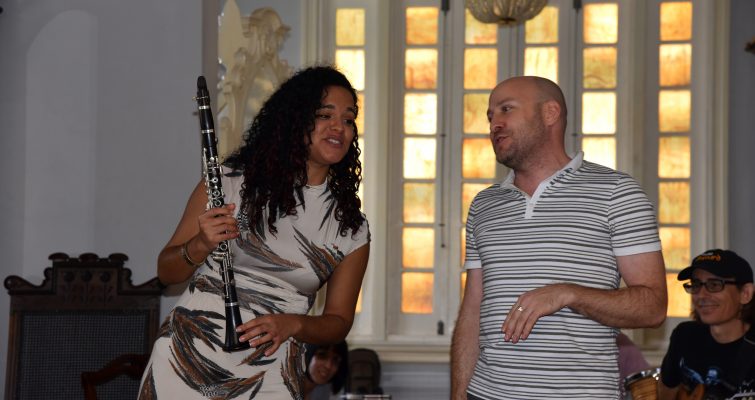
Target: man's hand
pixel 532 305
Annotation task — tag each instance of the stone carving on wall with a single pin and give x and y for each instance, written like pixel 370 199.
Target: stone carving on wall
pixel 250 68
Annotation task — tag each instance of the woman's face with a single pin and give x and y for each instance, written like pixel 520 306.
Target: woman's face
pixel 334 128
pixel 323 365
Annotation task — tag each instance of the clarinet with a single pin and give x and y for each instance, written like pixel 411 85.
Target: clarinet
pixel 222 254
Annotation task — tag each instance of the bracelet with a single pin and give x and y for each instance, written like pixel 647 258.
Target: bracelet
pixel 185 255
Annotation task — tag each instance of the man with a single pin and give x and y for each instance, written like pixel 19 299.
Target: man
pixel 546 250
pixel 714 355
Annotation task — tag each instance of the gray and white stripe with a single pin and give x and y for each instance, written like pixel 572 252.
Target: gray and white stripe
pixel 570 231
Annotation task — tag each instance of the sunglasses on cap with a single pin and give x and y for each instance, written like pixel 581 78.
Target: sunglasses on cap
pixel 711 285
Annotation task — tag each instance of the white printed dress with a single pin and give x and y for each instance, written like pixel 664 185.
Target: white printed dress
pixel 274 274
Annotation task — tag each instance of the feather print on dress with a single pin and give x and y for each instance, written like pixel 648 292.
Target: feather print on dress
pixel 147 391
pixel 252 244
pixel 292 370
pixel 248 299
pixel 197 371
pixel 322 260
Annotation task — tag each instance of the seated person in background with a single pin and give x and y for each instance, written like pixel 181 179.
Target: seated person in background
pixel 631 360
pixel 715 353
pixel 327 370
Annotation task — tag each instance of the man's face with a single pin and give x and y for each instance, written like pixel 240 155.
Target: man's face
pixel 720 307
pixel 516 126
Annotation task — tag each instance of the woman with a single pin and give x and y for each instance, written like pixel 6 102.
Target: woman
pixel 327 370
pixel 292 218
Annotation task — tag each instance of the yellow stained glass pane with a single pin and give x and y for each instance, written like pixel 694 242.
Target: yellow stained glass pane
pixel 675 242
pixel 419 158
pixel 674 157
pixel 475 113
pixel 541 61
pixel 674 64
pixel 421 70
pixel 476 32
pixel 601 23
pixel 598 112
pixel 674 110
pixel 420 113
pixel 418 245
pixel 416 293
pixel 350 27
pixel 599 68
pixel 463 246
pixel 419 202
pixel 480 68
pixel 676 21
pixel 468 192
pixel 351 63
pixel 360 117
pixel 478 158
pixel 679 301
pixel 543 28
pixel 600 150
pixel 422 25
pixel 673 202
pixel 463 284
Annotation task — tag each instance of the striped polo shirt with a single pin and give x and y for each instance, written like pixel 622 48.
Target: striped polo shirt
pixel 569 231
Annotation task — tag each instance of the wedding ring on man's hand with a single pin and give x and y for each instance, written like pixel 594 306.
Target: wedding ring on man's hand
pixel 520 308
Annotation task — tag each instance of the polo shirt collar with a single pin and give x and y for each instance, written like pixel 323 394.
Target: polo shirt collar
pixel 572 165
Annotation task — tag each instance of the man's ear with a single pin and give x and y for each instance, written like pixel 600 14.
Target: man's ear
pixel 551 111
pixel 745 295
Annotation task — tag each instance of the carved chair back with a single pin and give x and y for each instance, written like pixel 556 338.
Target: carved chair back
pixel 84 314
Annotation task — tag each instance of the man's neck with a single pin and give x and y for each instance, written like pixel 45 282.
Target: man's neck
pixel 528 178
pixel 729 331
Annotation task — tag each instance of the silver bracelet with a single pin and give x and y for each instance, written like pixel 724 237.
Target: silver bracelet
pixel 185 255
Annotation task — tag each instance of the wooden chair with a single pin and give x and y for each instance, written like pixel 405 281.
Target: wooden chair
pixel 85 314
pixel 364 372
pixel 127 365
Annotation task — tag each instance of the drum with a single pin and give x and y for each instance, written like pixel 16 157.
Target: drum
pixel 643 385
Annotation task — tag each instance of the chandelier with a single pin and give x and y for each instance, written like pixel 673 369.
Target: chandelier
pixel 505 12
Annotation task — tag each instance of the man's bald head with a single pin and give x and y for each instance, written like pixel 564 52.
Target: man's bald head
pixel 545 90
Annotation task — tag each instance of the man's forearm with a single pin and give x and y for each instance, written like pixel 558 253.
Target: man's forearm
pixel 630 307
pixel 464 352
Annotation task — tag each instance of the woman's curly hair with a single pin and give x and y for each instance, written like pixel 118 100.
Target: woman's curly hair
pixel 274 154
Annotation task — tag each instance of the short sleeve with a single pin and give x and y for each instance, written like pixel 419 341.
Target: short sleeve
pixel 358 239
pixel 632 220
pixel 472 256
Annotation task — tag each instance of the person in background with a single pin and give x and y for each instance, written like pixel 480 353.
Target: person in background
pixel 546 251
pixel 293 221
pixel 631 360
pixel 713 356
pixel 327 370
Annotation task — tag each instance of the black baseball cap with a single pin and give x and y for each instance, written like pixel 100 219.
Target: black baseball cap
pixel 724 263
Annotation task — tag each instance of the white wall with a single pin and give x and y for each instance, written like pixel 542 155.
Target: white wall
pixel 742 131
pixel 100 147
